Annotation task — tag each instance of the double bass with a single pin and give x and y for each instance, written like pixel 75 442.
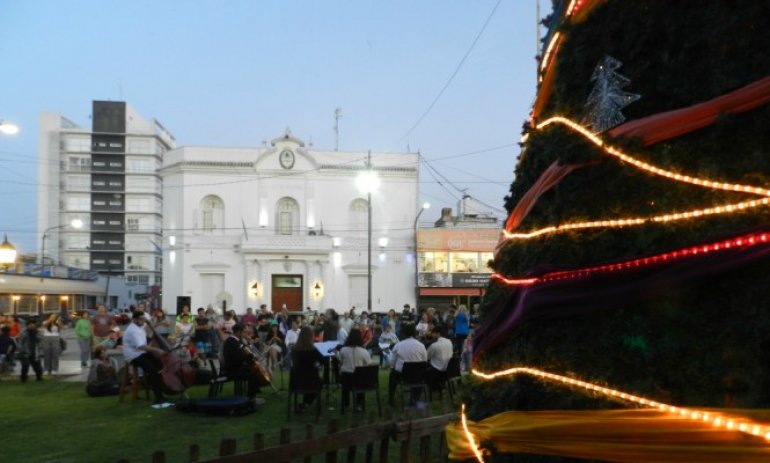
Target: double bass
pixel 256 366
pixel 177 375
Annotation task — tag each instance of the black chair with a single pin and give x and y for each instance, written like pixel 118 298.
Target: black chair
pixel 298 388
pixel 218 380
pixel 413 381
pixel 449 379
pixel 366 379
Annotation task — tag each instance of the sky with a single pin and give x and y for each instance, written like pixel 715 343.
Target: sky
pixel 453 80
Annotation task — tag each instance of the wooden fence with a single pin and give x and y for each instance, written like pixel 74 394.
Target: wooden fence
pixel 414 440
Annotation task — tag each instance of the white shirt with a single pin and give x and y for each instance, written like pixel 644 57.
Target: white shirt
pixel 291 337
pixel 439 353
pixel 133 338
pixel 352 357
pixel 408 350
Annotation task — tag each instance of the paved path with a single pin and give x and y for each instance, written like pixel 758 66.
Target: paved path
pixel 69 362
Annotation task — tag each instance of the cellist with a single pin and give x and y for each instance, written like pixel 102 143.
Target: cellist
pixel 237 362
pixel 140 354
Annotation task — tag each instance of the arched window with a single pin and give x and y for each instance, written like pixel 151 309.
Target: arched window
pixel 358 215
pixel 212 214
pixel 287 217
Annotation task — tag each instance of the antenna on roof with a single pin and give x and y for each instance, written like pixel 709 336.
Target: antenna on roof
pixel 337 117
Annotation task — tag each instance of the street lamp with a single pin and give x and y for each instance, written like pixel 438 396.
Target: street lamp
pixel 425 206
pixel 368 182
pixel 7 254
pixel 76 224
pixel 8 129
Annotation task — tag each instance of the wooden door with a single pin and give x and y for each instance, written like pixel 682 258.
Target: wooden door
pixel 287 289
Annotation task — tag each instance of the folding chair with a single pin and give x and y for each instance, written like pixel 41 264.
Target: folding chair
pixel 366 379
pixel 413 381
pixel 218 381
pixel 296 388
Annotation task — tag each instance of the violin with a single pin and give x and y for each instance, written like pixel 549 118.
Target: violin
pixel 177 375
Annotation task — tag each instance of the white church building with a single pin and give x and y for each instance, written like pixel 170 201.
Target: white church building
pixel 286 224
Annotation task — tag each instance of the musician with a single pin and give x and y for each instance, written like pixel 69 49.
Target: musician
pixel 140 354
pixel 238 361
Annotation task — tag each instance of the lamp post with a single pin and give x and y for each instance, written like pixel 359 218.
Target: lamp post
pixel 8 129
pixel 425 206
pixel 76 224
pixel 7 254
pixel 368 182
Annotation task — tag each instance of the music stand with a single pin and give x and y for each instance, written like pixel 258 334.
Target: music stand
pixel 327 350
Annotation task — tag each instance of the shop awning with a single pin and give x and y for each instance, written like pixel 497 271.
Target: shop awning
pixel 451 291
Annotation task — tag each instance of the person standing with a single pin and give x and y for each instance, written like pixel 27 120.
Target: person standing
pixel 29 347
pixel 83 332
pixel 462 326
pixel 52 344
pixel 101 324
pixel 138 353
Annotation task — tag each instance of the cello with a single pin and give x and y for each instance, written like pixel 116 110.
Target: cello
pixel 177 375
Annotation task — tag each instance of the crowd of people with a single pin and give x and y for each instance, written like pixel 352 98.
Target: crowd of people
pixel 249 347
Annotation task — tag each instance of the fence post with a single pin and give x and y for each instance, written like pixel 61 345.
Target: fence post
pixel 227 447
pixel 158 456
pixel 309 437
pixel 406 443
pixel 355 421
pixel 331 428
pixel 194 453
pixel 259 441
pixel 370 444
pixel 285 439
pixel 425 449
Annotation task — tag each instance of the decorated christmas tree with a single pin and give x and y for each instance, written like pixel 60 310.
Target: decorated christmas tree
pixel 629 315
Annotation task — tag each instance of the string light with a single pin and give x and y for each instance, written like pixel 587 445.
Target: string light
pixel 614 223
pixel 718 420
pixel 550 50
pixel 471 440
pixel 744 241
pixel 649 167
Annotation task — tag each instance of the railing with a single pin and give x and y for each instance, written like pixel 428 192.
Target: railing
pixel 413 440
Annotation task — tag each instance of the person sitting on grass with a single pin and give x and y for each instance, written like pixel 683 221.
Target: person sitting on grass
pixel 103 376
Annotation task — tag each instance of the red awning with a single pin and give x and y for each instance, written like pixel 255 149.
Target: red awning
pixel 451 291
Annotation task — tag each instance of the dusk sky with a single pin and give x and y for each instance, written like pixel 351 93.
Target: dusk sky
pixel 237 73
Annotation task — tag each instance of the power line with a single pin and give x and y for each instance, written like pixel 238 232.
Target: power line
pixel 451 78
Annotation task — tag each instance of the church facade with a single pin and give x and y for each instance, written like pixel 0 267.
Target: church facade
pixel 286 224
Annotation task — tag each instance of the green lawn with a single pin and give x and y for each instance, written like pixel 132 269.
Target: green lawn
pixel 55 421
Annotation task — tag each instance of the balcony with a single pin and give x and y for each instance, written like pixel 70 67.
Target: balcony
pixel 288 244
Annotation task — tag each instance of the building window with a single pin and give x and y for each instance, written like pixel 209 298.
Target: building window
pixel 132 224
pixel 434 262
pixel 358 215
pixel 79 163
pixel 212 213
pixel 287 220
pixel 77 144
pixel 465 262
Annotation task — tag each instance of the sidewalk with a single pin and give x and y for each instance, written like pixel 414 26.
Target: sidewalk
pixel 69 363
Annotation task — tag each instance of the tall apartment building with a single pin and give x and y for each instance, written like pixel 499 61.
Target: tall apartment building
pixel 107 178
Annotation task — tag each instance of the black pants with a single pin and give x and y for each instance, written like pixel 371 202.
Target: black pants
pixel 346 380
pixel 151 366
pixel 25 364
pixel 255 382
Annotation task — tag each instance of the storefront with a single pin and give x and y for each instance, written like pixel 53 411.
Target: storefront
pixel 453 265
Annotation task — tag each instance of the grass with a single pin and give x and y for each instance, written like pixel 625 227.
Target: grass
pixel 55 421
